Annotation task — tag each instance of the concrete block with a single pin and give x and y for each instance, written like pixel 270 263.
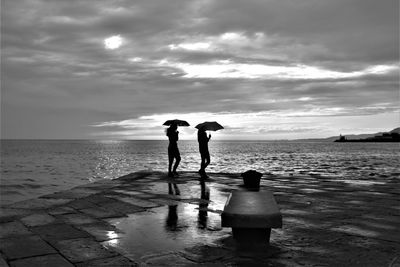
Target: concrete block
pixel 114 261
pixel 55 232
pixel 24 246
pixel 38 219
pixel 40 203
pixel 14 228
pixel 101 231
pixel 3 262
pixel 8 214
pixel 42 261
pixel 122 207
pixel 83 249
pixel 102 213
pixel 76 218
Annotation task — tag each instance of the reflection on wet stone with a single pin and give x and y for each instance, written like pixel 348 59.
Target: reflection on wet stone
pixel 177 222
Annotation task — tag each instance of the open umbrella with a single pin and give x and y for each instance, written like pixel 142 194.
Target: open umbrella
pixel 177 122
pixel 209 126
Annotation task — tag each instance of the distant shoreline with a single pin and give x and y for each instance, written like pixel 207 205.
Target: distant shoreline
pixel 366 141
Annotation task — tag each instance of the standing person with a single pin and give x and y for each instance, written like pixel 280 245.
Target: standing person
pixel 204 153
pixel 173 151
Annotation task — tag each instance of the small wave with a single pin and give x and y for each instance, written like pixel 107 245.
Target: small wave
pixel 11 192
pixel 32 186
pixel 17 186
pixel 352 168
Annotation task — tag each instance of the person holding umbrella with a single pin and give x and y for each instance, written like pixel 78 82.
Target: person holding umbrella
pixel 173 151
pixel 203 148
pixel 203 140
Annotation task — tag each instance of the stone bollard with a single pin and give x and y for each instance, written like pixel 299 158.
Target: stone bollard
pixel 251 179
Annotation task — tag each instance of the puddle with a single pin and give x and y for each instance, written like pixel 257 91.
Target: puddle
pixel 166 229
pixel 172 228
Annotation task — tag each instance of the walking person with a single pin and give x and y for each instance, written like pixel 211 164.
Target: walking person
pixel 173 151
pixel 203 140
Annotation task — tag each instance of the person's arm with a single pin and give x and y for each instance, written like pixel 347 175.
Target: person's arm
pixel 209 137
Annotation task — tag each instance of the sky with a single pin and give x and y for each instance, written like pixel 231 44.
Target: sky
pixel 264 69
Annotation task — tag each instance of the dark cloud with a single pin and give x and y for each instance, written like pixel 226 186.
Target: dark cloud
pixel 58 78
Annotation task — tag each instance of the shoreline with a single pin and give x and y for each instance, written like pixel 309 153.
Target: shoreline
pixel 325 222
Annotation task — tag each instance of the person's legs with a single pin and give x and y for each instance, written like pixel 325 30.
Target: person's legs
pixel 203 160
pixel 206 160
pixel 170 161
pixel 177 161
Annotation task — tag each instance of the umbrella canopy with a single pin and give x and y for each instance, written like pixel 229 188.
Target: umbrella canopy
pixel 209 126
pixel 177 122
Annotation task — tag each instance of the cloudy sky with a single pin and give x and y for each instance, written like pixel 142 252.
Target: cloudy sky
pixel 265 69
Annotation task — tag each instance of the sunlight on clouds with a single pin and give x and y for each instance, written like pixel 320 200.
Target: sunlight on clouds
pixel 136 59
pixel 382 69
pixel 290 124
pixel 227 69
pixel 113 42
pixel 190 46
pixel 237 125
pixel 305 98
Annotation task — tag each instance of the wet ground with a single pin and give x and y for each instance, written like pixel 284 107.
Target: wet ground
pixel 148 219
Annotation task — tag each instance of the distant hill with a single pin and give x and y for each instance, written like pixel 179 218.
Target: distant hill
pixel 362 136
pixel 352 136
pixel 397 130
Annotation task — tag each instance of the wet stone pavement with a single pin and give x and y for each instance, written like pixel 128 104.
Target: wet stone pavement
pixel 148 219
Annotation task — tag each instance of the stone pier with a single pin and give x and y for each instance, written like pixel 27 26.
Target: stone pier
pixel 141 219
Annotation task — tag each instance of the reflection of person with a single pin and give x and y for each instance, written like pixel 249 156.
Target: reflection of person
pixel 173 151
pixel 174 190
pixel 203 205
pixel 204 153
pixel 172 217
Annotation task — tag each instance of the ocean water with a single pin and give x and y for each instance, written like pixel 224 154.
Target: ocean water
pixel 30 168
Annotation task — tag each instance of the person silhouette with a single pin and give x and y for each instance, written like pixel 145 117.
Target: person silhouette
pixel 204 153
pixel 173 151
pixel 171 222
pixel 203 205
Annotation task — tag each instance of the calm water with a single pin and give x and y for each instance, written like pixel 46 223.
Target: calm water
pixel 30 168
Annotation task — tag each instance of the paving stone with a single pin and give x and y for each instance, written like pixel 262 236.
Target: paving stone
pixel 39 203
pixel 102 213
pixel 84 249
pixel 76 218
pixel 71 194
pixel 168 202
pixel 202 254
pixel 98 199
pixel 55 232
pixel 61 210
pixel 145 195
pixel 38 219
pixel 10 214
pixel 115 261
pixel 139 202
pixel 53 260
pixel 14 228
pixel 167 259
pixel 81 204
pixel 3 262
pixel 102 185
pixel 24 246
pixel 127 192
pixel 122 207
pixel 101 231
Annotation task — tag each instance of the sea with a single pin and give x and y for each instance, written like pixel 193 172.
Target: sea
pixel 31 168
